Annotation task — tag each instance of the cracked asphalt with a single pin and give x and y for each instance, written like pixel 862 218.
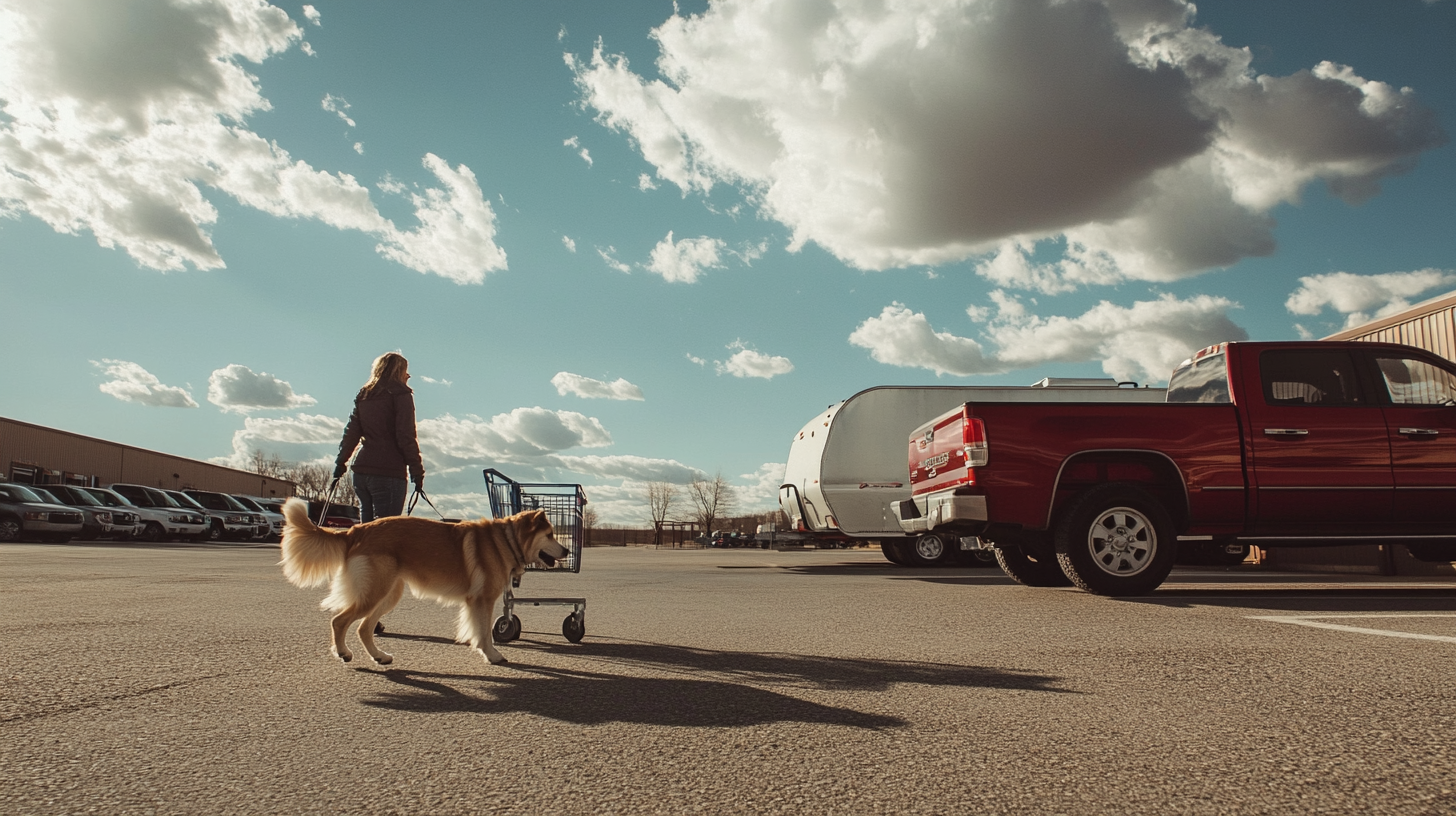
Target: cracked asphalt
pixel 182 679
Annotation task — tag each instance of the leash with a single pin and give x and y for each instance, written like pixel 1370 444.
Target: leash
pixel 415 498
pixel 328 500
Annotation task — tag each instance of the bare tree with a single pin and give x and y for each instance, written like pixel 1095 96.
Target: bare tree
pixel 267 464
pixel 660 497
pixel 712 499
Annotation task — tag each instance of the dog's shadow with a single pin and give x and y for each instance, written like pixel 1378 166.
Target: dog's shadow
pixel 726 689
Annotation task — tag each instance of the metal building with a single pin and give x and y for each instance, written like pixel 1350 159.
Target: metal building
pixel 1430 325
pixel 39 455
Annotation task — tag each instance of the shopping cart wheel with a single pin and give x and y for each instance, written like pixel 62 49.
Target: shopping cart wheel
pixel 506 629
pixel 574 628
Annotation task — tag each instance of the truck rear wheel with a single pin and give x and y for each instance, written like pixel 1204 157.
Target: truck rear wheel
pixel 1030 565
pixel 1116 539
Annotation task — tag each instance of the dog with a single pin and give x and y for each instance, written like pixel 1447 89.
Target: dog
pixel 368 565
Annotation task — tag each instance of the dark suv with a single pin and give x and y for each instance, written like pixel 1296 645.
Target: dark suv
pixel 97 519
pixel 25 516
pixel 230 520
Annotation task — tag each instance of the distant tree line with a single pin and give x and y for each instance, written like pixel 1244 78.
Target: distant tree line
pixel 310 479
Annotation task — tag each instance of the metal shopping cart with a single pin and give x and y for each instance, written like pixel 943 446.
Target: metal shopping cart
pixel 563 504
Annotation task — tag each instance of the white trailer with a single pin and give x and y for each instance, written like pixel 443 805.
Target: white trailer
pixel 849 462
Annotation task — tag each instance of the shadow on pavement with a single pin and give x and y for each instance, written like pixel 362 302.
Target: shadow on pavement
pixel 726 689
pixel 1349 597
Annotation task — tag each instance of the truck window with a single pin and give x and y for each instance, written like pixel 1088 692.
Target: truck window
pixel 1311 377
pixel 1416 382
pixel 1202 380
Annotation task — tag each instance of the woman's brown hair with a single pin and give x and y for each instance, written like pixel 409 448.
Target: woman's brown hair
pixel 388 367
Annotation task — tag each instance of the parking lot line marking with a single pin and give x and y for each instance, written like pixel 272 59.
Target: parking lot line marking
pixel 1317 622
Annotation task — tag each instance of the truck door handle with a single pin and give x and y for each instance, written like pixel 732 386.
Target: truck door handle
pixel 1420 432
pixel 1285 432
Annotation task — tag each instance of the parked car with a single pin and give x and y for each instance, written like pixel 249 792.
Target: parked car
pixel 188 503
pixel 1280 444
pixel 126 518
pixel 272 527
pixel 230 520
pixel 340 515
pixel 162 516
pixel 95 517
pixel 25 516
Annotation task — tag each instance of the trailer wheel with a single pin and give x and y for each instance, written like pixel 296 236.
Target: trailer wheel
pixel 1030 565
pixel 1116 539
pixel 505 629
pixel 573 628
pixel 930 550
pixel 891 550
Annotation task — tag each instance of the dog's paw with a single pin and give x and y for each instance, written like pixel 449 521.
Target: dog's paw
pixel 384 659
pixel 344 656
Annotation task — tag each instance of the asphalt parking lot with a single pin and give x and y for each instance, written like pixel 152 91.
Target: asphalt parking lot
pixel 177 679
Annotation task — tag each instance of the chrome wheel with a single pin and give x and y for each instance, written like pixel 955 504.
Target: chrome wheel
pixel 930 547
pixel 1122 541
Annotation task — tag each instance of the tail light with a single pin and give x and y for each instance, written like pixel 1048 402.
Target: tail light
pixel 977 452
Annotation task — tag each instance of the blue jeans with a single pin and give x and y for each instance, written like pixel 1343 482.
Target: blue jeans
pixel 379 496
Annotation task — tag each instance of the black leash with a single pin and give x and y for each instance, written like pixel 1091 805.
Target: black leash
pixel 328 500
pixel 415 498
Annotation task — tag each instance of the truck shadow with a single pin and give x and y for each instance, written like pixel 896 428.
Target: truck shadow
pixel 725 688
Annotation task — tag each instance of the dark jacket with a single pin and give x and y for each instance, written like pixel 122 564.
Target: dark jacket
pixel 385 420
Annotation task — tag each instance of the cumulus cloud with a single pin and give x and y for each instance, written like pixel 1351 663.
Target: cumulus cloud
pixel 570 244
pixel 683 261
pixel 631 468
pixel 1364 297
pixel 312 15
pixel 524 435
pixel 588 388
pixel 239 389
pixel 927 132
pixel 301 438
pixel 1140 342
pixel 114 125
pixel 130 382
pixel 748 362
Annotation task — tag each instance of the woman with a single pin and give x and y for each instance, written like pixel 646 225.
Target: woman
pixel 384 417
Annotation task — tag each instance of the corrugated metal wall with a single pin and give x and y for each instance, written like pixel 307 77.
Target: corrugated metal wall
pixel 1430 325
pixel 71 457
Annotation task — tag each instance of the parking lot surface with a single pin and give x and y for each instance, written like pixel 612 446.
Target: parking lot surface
pixel 178 679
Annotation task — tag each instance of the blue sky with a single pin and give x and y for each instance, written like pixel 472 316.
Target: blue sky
pixel 628 241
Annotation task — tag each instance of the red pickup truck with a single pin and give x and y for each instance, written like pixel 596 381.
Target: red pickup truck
pixel 1275 444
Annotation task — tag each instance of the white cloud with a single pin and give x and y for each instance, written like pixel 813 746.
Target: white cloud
pixel 338 105
pixel 307 48
pixel 1356 296
pixel 312 15
pixel 645 182
pixel 239 389
pixel 698 360
pixel 632 468
pixel 610 256
pixel 750 363
pixel 683 261
pixel 434 381
pixel 115 127
pixel 570 244
pixel 301 438
pixel 927 132
pixel 588 388
pixel 130 382
pixel 764 482
pixel 524 435
pixel 575 144
pixel 1140 342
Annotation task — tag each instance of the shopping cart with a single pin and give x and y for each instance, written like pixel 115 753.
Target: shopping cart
pixel 563 504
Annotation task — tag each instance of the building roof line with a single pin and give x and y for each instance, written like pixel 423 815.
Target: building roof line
pixel 1426 307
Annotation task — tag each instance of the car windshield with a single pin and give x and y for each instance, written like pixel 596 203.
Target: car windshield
pixel 106 497
pixel 160 499
pixel 78 497
pixel 185 500
pixel 247 503
pixel 46 495
pixel 17 493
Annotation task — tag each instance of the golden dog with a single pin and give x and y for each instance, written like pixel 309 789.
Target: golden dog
pixel 465 564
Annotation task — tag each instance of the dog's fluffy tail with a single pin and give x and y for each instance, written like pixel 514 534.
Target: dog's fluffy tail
pixel 311 555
